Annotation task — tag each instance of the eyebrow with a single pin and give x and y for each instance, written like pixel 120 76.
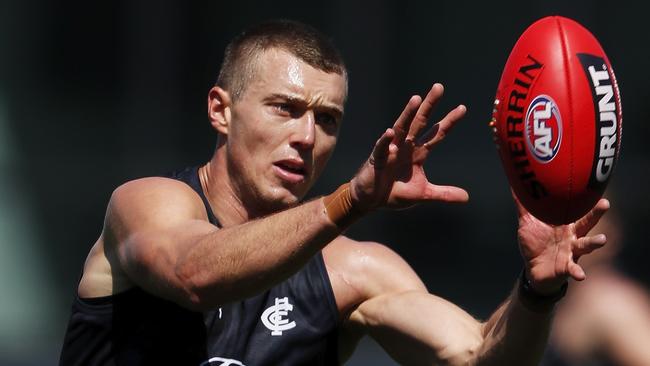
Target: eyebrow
pixel 338 112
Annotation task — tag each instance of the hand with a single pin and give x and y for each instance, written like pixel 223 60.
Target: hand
pixel 394 176
pixel 551 253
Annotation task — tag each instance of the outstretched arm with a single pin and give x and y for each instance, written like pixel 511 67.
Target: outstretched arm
pixel 517 332
pixel 418 328
pixel 159 237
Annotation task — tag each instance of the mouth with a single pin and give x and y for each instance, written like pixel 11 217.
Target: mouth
pixel 291 170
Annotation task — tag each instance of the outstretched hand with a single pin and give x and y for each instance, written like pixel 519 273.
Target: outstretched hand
pixel 551 253
pixel 394 176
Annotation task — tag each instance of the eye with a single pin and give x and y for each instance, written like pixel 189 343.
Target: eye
pixel 326 119
pixel 284 108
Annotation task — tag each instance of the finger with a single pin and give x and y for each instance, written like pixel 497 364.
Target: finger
pixel 405 119
pixel 576 272
pixel 588 221
pixel 379 156
pixel 588 244
pixel 440 130
pixel 446 194
pixel 424 112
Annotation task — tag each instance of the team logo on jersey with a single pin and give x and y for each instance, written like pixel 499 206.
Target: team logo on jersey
pixel 220 361
pixel 543 128
pixel 274 316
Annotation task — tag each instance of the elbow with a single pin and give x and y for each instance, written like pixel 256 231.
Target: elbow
pixel 193 293
pixel 193 303
pixel 194 299
pixel 201 291
pixel 190 297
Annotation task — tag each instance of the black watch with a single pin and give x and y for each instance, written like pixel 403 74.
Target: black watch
pixel 533 300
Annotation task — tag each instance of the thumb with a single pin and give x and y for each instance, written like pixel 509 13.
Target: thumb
pixel 446 194
pixel 576 272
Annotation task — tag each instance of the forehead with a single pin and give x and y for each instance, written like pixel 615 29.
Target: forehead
pixel 280 72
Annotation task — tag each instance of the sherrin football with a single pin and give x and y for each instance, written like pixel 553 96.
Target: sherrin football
pixel 557 120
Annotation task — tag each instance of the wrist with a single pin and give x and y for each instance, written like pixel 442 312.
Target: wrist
pixel 340 207
pixel 537 301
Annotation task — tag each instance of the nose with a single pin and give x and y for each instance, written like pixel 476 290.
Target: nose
pixel 304 131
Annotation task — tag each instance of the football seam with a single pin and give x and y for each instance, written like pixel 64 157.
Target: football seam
pixel 619 106
pixel 565 60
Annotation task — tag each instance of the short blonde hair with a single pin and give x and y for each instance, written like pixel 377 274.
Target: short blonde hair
pixel 304 42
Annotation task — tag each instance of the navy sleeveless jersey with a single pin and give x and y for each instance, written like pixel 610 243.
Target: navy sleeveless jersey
pixel 293 323
pixel 132 328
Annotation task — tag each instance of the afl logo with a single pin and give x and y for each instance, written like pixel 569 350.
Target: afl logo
pixel 543 128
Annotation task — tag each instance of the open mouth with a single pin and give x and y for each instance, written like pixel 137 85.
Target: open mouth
pixel 293 171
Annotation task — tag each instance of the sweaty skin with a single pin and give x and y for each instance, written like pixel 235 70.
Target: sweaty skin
pixel 273 144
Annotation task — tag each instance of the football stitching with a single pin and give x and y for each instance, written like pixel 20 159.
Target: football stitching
pixel 565 59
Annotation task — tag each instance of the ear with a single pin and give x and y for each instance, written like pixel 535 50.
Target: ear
pixel 219 109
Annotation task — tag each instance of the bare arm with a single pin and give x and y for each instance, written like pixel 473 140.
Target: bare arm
pixel 418 328
pixel 162 240
pixel 157 233
pixel 518 331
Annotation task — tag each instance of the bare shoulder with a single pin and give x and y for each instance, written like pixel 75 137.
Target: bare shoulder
pixel 156 192
pixel 146 201
pixel 143 205
pixel 367 278
pixel 360 270
pixel 151 213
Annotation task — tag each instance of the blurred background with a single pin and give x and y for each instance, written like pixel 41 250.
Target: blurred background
pixel 93 94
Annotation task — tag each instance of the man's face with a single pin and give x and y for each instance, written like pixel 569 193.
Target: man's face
pixel 283 130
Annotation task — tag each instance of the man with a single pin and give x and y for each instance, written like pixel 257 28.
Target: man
pixel 276 280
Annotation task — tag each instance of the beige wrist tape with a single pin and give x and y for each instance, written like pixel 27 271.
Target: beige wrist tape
pixel 339 208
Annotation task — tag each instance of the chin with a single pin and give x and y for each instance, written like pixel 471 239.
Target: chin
pixel 287 197
pixel 291 198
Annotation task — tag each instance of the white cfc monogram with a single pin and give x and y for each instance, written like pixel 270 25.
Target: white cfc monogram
pixel 274 316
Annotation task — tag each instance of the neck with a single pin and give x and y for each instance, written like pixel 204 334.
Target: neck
pixel 223 196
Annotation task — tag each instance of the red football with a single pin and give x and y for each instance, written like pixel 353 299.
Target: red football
pixel 557 120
